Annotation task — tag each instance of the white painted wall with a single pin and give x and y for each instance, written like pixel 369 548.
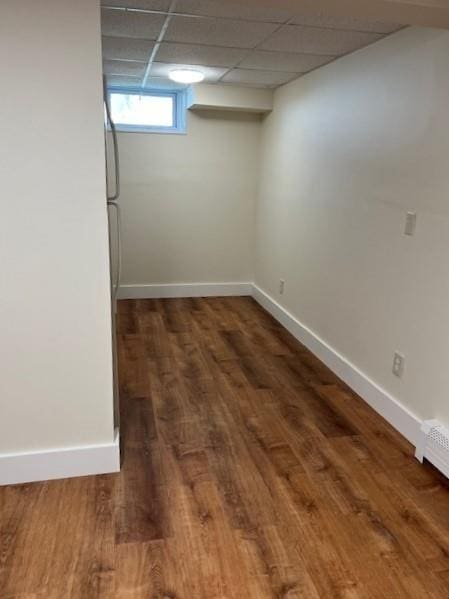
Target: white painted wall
pixel 347 151
pixel 55 338
pixel 188 201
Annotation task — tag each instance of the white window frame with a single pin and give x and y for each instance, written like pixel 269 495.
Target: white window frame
pixel 179 97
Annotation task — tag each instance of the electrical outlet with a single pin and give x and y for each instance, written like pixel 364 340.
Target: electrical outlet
pixel 281 286
pixel 410 223
pixel 398 364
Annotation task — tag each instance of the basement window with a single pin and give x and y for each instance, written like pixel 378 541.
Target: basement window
pixel 148 111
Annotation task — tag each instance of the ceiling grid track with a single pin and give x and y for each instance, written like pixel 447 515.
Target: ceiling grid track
pixel 249 52
pixel 158 42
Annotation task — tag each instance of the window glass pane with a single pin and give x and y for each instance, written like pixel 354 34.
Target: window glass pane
pixel 150 111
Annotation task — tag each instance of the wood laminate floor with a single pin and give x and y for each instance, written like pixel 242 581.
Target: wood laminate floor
pixel 250 472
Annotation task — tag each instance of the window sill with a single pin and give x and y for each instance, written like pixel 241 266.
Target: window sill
pixel 124 129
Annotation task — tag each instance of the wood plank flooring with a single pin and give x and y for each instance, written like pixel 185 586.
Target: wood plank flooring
pixel 249 472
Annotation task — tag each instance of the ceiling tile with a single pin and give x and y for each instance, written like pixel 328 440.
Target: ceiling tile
pixel 123 81
pixel 230 10
pixel 143 4
pixel 284 61
pixel 346 23
pixel 117 23
pixel 218 32
pixel 202 55
pixel 258 77
pixel 160 69
pixel 126 48
pixel 124 67
pixel 313 40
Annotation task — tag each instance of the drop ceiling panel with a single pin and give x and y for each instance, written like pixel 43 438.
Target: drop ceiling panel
pixel 229 10
pixel 292 38
pixel 143 4
pixel 117 23
pixel 200 55
pixel 123 81
pixel 258 77
pixel 218 35
pixel 124 67
pixel 126 48
pixel 346 23
pixel 284 61
pixel 218 32
pixel 161 69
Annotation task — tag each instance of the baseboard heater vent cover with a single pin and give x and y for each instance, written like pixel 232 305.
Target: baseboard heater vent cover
pixel 434 445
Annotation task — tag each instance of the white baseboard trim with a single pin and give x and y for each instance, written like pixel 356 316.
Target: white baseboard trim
pixel 380 400
pixel 60 463
pixel 184 290
pixel 104 459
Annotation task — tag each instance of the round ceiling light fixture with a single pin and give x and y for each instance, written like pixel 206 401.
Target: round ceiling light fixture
pixel 186 76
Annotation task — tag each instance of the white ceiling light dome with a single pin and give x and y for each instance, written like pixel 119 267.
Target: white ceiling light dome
pixel 186 76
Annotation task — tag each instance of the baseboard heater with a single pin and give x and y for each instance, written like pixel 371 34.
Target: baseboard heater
pixel 433 445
